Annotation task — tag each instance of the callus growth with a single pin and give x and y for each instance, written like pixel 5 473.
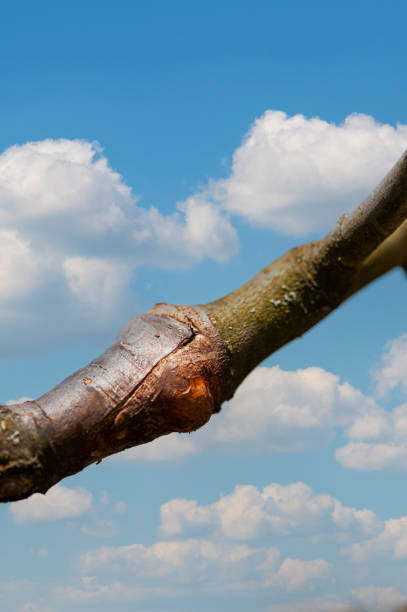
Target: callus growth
pixel 163 374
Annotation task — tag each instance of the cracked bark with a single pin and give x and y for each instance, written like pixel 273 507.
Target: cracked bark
pixel 171 369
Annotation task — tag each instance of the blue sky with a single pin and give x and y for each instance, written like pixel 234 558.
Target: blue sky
pixel 167 152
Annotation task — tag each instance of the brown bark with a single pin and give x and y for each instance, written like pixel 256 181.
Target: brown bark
pixel 162 375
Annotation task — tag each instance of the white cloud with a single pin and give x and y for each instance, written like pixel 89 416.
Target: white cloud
pixel 20 265
pixel 370 456
pixel 180 561
pixel 209 562
pixel 380 599
pixel 390 542
pixel 287 411
pixel 294 573
pixel 378 440
pixel 179 514
pixel 96 283
pixel 73 230
pixel 377 437
pixel 247 546
pixel 299 175
pixel 249 513
pixel 58 503
pixel 207 230
pixel 392 369
pixel 371 424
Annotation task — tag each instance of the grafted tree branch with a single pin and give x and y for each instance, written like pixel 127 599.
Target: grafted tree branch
pixel 172 368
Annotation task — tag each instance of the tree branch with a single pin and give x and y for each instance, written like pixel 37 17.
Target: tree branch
pixel 296 291
pixel 171 368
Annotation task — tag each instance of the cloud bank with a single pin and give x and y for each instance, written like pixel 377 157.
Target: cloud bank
pixel 241 544
pixel 282 543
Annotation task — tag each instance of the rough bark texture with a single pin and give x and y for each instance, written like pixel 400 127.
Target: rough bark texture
pixel 171 368
pixel 162 375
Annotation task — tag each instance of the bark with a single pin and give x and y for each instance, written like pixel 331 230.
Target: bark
pixel 161 375
pixel 172 368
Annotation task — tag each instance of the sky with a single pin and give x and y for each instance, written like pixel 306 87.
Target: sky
pixel 167 151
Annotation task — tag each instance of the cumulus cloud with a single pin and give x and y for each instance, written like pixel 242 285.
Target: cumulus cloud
pixel 244 543
pixel 380 599
pixel 96 283
pixel 65 192
pixel 231 544
pixel 181 561
pixel 378 437
pixel 282 411
pixel 207 561
pixel 298 175
pixel 73 234
pixel 390 542
pixel 20 265
pixel 295 512
pixel 372 456
pixel 249 513
pixel 58 503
